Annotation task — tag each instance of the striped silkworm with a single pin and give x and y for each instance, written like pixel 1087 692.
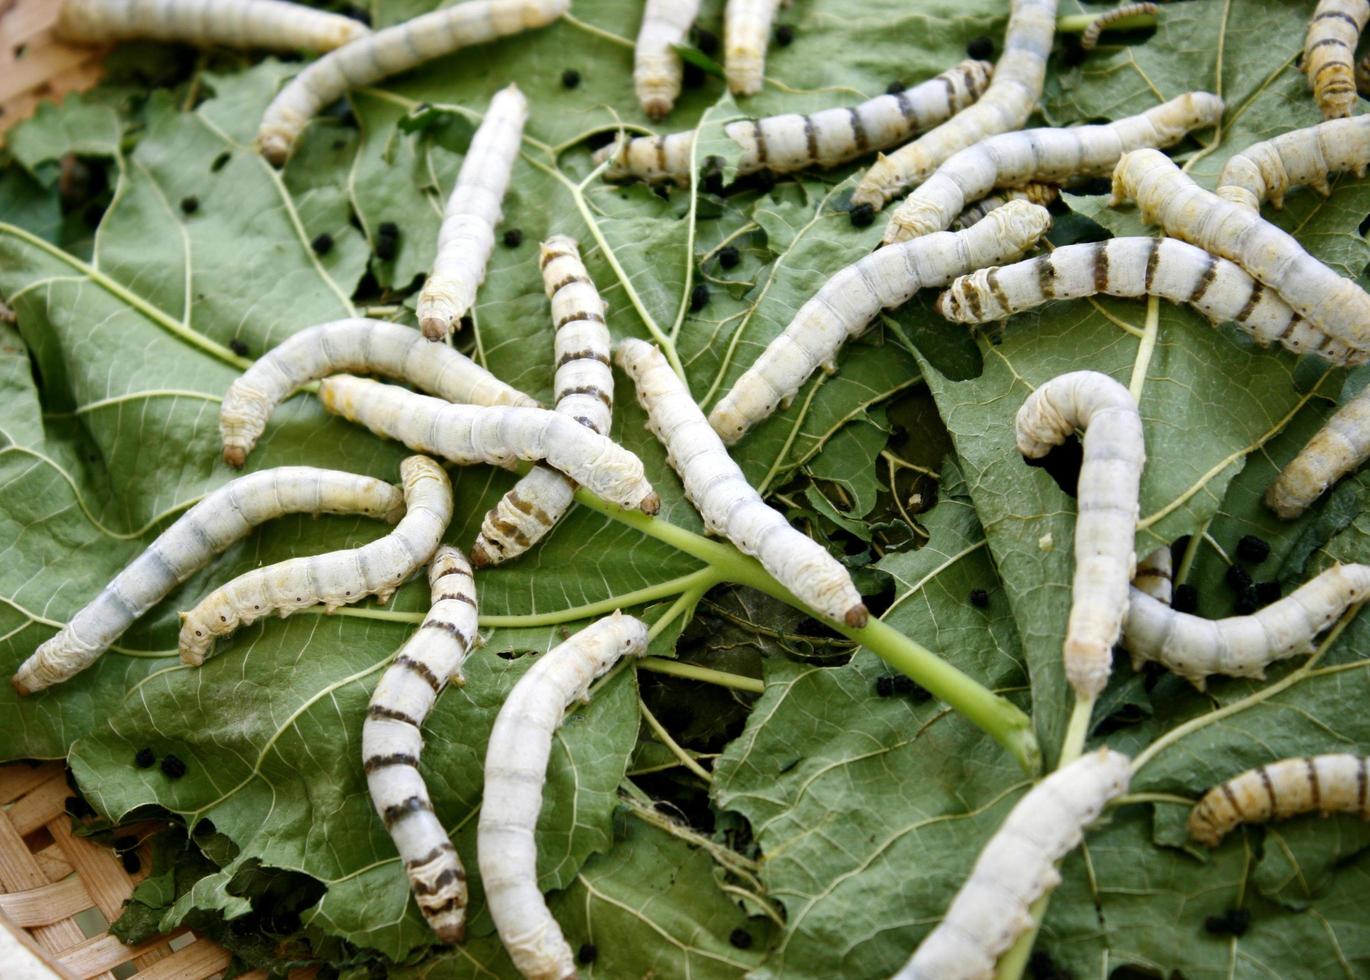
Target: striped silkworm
pixel 370 346
pixel 1279 790
pixel 1106 506
pixel 1005 106
pixel 1045 154
pixel 845 305
pixel 389 52
pixel 1135 267
pixel 392 742
pixel 1241 646
pixel 1300 157
pixel 1089 38
pixel 584 391
pixel 1329 50
pixel 1339 448
pixel 790 142
pixel 269 24
pixel 467 235
pixel 467 434
pixel 515 770
pixel 724 498
pixel 746 33
pixel 1016 867
pixel 333 579
pixel 224 516
pixel 657 69
pixel 1155 577
pixel 1043 194
pixel 1168 197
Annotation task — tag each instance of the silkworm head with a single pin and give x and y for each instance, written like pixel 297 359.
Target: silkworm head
pixel 1020 221
pixel 651 503
pixel 857 616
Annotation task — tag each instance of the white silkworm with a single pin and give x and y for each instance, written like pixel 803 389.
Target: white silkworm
pixel 1106 508
pixel 746 33
pixel 269 24
pixel 1279 790
pixel 467 434
pixel 1329 50
pixel 1299 157
pixel 584 391
pixel 1043 194
pixel 1134 267
pixel 467 235
pixel 1168 197
pixel 724 498
pixel 1016 867
pixel 846 304
pixel 1339 448
pixel 334 579
pixel 372 346
pixel 790 142
pixel 1005 106
pixel 1043 155
pixel 224 516
pixel 657 69
pixel 1089 38
pixel 1155 577
pixel 392 742
pixel 515 770
pixel 1241 646
pixel 389 52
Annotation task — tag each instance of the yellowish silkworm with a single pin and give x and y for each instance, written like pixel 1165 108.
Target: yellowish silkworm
pixel 1279 790
pixel 1043 194
pixel 334 579
pixel 1306 157
pixel 1155 577
pixel 1339 448
pixel 746 33
pixel 1089 38
pixel 269 24
pixel 1329 49
pixel 657 69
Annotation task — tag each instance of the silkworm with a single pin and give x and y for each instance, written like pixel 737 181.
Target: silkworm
pixel 1280 790
pixel 724 498
pixel 268 24
pixel 584 391
pixel 334 579
pixel 1329 50
pixel 790 142
pixel 746 32
pixel 1005 106
pixel 1043 155
pixel 1089 38
pixel 224 516
pixel 1106 508
pixel 515 769
pixel 657 69
pixel 1168 197
pixel 1241 646
pixel 845 304
pixel 372 346
pixel 1016 867
pixel 1304 157
pixel 1134 267
pixel 1043 194
pixel 1339 448
pixel 1154 577
pixel 468 434
pixel 467 235
pixel 389 52
pixel 392 743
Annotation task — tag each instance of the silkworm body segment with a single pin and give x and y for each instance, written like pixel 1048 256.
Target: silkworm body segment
pixel 1306 157
pixel 1339 448
pixel 1329 50
pixel 269 24
pixel 657 69
pixel 1279 790
pixel 746 33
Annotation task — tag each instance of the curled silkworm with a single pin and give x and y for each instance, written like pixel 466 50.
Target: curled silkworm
pixel 270 24
pixel 1168 197
pixel 392 742
pixel 846 304
pixel 1279 790
pixel 224 516
pixel 1016 867
pixel 584 391
pixel 1089 38
pixel 1339 448
pixel 467 235
pixel 334 579
pixel 1329 48
pixel 371 346
pixel 1043 194
pixel 746 32
pixel 1135 267
pixel 1304 157
pixel 790 142
pixel 468 434
pixel 657 69
pixel 515 770
pixel 1241 646
pixel 1106 508
pixel 724 498
pixel 389 52
pixel 1005 106
pixel 1043 155
pixel 1155 577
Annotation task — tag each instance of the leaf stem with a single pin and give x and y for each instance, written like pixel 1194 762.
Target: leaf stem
pixel 694 672
pixel 1147 346
pixel 664 737
pixel 1077 23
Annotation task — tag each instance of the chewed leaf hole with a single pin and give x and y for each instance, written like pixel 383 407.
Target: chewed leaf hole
pixel 1063 464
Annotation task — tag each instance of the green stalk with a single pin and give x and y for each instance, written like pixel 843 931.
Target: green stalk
pixel 1077 23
